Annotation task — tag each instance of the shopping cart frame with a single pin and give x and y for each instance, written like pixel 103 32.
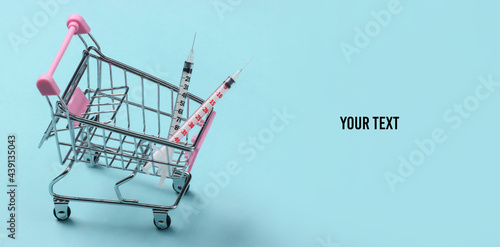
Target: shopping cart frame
pixel 60 111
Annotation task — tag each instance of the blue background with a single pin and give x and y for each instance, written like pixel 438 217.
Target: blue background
pixel 312 183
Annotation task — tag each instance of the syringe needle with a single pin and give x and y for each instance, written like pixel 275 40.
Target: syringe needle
pixel 193 40
pixel 247 63
pixel 237 73
pixel 191 52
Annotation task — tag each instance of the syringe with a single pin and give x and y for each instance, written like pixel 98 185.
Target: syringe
pixel 206 106
pixel 176 115
pixel 181 96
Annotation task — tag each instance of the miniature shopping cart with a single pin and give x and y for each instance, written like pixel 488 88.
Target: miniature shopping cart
pixel 113 115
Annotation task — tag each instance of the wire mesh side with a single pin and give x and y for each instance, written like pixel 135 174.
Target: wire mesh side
pixel 126 99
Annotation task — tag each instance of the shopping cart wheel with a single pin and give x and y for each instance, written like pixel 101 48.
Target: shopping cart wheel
pixel 178 188
pixel 92 158
pixel 161 219
pixel 180 182
pixel 61 214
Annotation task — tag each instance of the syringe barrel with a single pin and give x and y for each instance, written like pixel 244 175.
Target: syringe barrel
pixel 181 98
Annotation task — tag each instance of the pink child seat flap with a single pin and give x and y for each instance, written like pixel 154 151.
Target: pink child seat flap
pixel 78 104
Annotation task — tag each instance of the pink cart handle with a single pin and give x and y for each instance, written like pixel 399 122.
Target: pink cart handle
pixel 46 83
